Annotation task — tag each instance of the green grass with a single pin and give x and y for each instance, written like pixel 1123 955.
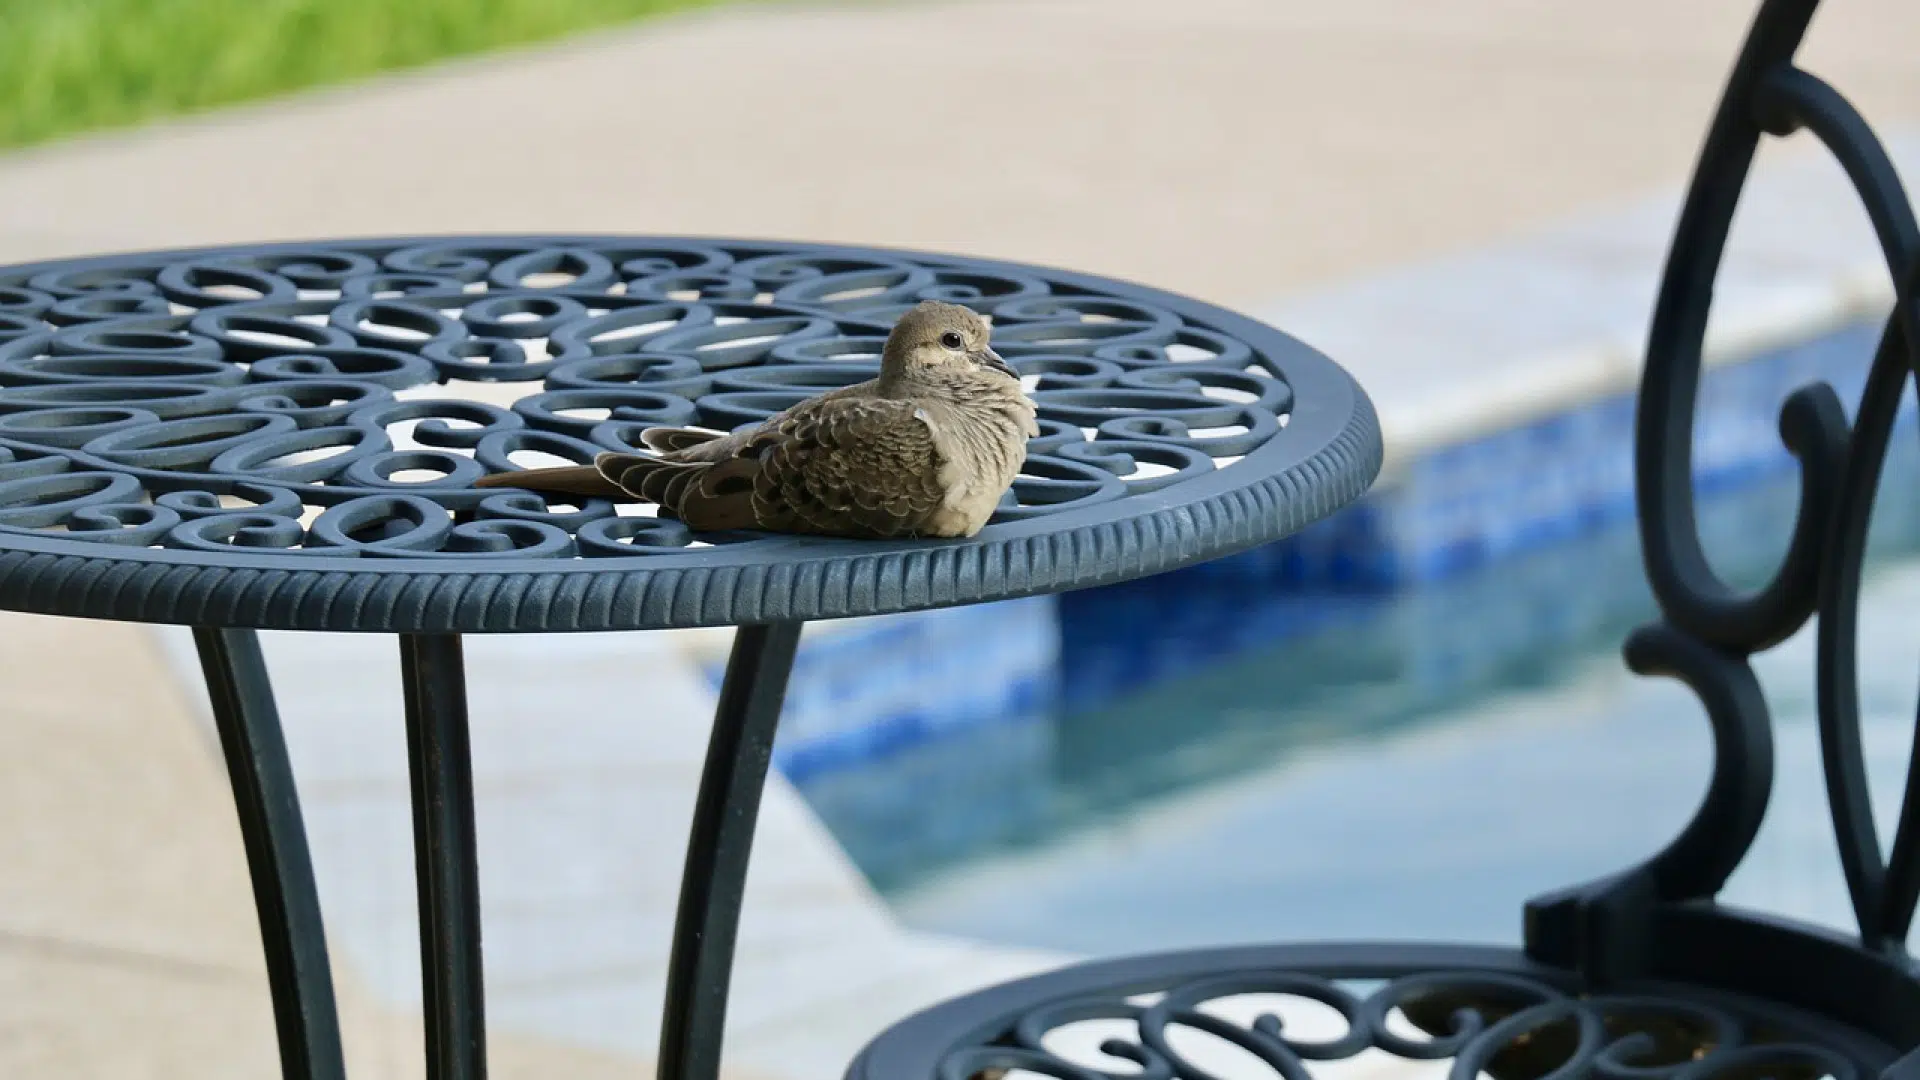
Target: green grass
pixel 76 65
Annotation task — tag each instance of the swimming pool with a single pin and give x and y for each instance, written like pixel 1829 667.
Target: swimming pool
pixel 1417 766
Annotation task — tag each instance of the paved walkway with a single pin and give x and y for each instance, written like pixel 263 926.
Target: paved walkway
pixel 1229 148
pixel 1236 149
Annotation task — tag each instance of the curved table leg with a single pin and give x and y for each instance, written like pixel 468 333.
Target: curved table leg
pixel 446 864
pixel 291 932
pixel 724 811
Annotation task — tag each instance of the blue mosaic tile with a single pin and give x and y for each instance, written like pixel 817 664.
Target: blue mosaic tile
pixel 872 688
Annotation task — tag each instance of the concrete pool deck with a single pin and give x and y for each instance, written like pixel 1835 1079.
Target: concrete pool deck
pixel 1312 146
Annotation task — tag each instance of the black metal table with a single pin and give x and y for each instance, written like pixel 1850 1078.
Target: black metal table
pixel 251 438
pixel 1642 975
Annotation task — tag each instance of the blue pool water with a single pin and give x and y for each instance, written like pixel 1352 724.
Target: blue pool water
pixel 1418 764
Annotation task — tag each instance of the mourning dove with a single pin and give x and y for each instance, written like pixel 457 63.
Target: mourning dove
pixel 925 450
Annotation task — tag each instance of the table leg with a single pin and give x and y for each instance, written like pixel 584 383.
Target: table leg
pixel 446 864
pixel 284 894
pixel 724 811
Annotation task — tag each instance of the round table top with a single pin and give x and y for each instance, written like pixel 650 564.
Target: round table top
pixel 285 436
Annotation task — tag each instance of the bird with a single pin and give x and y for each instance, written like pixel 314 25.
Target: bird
pixel 925 450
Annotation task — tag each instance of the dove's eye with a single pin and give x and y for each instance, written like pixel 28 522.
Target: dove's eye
pixel 952 339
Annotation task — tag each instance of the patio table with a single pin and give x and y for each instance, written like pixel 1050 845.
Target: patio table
pixel 286 436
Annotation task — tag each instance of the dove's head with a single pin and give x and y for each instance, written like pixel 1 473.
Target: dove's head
pixel 935 341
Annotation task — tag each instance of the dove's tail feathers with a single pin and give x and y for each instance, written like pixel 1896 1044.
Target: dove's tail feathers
pixel 656 480
pixel 707 496
pixel 667 440
pixel 638 475
pixel 585 480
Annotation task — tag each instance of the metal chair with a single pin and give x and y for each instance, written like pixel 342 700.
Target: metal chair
pixel 1643 974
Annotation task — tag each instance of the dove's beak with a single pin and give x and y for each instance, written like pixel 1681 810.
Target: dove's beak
pixel 992 359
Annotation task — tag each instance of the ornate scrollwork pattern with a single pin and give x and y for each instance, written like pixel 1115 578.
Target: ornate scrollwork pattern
pixel 1288 1020
pixel 341 399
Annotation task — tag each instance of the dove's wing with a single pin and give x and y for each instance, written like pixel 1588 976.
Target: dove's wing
pixel 840 466
pixel 677 440
pixel 854 464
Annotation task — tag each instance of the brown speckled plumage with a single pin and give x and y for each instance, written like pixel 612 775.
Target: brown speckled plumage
pixel 926 449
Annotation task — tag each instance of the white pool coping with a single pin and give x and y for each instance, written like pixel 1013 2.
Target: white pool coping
pixel 1453 348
